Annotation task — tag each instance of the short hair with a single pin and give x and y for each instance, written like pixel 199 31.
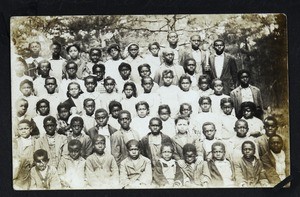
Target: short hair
pixel 101 110
pixel 90 77
pixel 56 43
pixel 226 100
pixel 218 143
pixel 71 62
pixel 133 44
pixel 202 98
pixel 113 104
pixel 183 104
pixel 42 101
pixel 204 76
pixel 26 121
pixel 73 45
pixel 208 123
pixel 166 72
pixel 95 49
pixel 180 117
pixel 184 76
pixel 98 65
pixel 249 104
pixel 42 62
pixel 156 118
pixel 194 36
pixel 109 78
pixel 153 43
pixel 170 32
pixel 166 144
pixel 40 153
pixel 76 119
pixel 132 84
pixel 124 112
pixel 219 40
pixel 49 118
pixel 96 137
pixel 185 64
pixel 144 65
pixel 213 83
pixel 165 106
pixel 113 46
pixel 141 103
pixel 63 105
pixel 131 143
pixel 22 99
pixel 34 42
pixel 87 100
pixel 26 81
pixel 74 142
pixel 52 78
pixel 241 120
pixel 144 78
pixel 251 143
pixel 124 65
pixel 270 118
pixel 189 148
pixel 276 135
pixel 242 71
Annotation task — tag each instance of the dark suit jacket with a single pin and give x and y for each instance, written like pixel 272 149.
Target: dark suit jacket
pixel 229 72
pixel 94 131
pixel 188 53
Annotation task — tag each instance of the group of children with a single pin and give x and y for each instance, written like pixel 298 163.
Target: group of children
pixel 77 126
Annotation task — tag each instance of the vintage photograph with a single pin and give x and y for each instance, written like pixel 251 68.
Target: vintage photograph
pixel 149 101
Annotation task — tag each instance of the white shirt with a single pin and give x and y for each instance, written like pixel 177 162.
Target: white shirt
pixel 280 164
pixel 247 94
pixel 219 62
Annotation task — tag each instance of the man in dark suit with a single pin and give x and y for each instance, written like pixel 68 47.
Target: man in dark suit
pixel 223 66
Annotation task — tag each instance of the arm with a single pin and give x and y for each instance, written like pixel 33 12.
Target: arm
pixel 146 175
pixel 61 170
pixel 116 148
pixel 271 173
pixel 54 179
pixel 91 177
pixel 240 180
pixel 158 175
pixel 114 171
pixel 124 180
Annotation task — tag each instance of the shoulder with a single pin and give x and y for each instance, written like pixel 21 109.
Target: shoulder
pixel 145 159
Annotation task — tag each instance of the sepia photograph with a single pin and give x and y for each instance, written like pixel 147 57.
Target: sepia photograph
pixel 173 101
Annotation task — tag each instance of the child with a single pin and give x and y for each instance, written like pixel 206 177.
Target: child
pixel 42 109
pixel 54 143
pixel 114 109
pixel 43 69
pixel 101 167
pixel 122 136
pixel 63 116
pixel 217 85
pixel 110 94
pixel 99 72
pixel 43 176
pixel 256 126
pixel 166 172
pixel 227 118
pixel 153 58
pixel 19 74
pixel 195 171
pixel 141 121
pixel 249 170
pixel 145 71
pixel 101 118
pixel 168 125
pixel 169 94
pixel 186 110
pixel 71 167
pixel 26 87
pixel 190 70
pixel 125 75
pixel 184 136
pixel 135 170
pixel 56 61
pixel 34 59
pixel 221 169
pixel 75 100
pixel 129 99
pixel 95 58
pixel 76 126
pixel 90 83
pixel 204 86
pixel 88 114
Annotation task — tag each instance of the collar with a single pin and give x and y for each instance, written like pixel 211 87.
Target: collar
pixel 222 55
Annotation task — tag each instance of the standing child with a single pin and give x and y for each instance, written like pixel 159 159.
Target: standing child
pixel 75 100
pixel 166 172
pixel 125 75
pixel 99 72
pixel 26 88
pixel 43 176
pixel 114 109
pixel 145 71
pixel 204 86
pixel 101 167
pixel 42 109
pixel 227 118
pixel 71 167
pixel 43 69
pixel 217 85
pixel 90 83
pixel 141 121
pixel 88 114
pixel 63 116
pixel 95 58
pixel 129 98
pixel 34 59
pixel 135 170
pixel 190 70
pixel 168 125
pixel 56 61
pixel 110 94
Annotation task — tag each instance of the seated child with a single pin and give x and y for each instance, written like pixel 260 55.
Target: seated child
pixel 195 170
pixel 166 172
pixel 221 169
pixel 204 86
pixel 78 134
pixel 71 167
pixel 141 121
pixel 135 170
pixel 168 125
pixel 114 109
pixel 43 176
pixel 42 110
pixel 249 171
pixel 101 167
pixel 227 118
pixel 129 99
pixel 151 143
pixel 217 85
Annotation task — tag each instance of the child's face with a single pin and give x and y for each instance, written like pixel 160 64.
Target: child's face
pixel 147 85
pixel 190 157
pixel 186 110
pixel 44 69
pixel 43 109
pixel 185 85
pixel 99 146
pixel 195 41
pixel 125 73
pixel 109 86
pixel 154 50
pixel 89 108
pixel 101 119
pixel 155 127
pixel 55 50
pixel 248 151
pixel 244 79
pixel 124 121
pixel 50 127
pixel 167 79
pixel 90 85
pixel 35 48
pixel 209 131
pixel 99 73
pixel 95 56
pixel 128 91
pixel 241 129
pixel 64 113
pixel 270 127
pixel 74 90
pixel 71 69
pixel 22 108
pixel 204 84
pixel 74 151
pixel 227 108
pixel 133 152
pixel 24 130
pixel 133 51
pixel 50 85
pixel 76 128
pixel 73 52
pixel 172 38
pixel 114 53
pixel 182 126
pixel 205 105
pixel 142 111
pixel 166 153
pixel 191 66
pixel 164 114
pixel 26 89
pixel 247 113
pixel 41 163
pixel 218 87
pixel 115 111
pixel 145 72
pixel 218 153
pixel 276 144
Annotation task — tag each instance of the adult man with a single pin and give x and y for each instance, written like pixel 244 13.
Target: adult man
pixel 223 66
